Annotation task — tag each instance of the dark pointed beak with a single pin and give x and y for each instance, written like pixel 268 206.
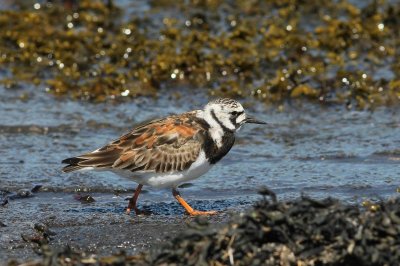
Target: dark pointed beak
pixel 252 120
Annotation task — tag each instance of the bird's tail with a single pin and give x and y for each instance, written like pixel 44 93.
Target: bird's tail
pixel 73 164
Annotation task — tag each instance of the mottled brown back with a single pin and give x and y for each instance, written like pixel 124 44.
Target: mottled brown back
pixel 164 145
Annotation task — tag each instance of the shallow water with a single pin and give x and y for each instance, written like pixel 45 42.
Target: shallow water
pixel 335 152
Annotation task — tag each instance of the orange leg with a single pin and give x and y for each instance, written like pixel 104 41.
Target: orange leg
pixel 133 200
pixel 187 207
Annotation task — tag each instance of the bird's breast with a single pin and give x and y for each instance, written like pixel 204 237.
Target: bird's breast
pixel 216 151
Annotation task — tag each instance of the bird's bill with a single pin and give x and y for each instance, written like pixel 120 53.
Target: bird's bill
pixel 252 120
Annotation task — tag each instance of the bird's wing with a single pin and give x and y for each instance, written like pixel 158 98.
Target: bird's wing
pixel 165 145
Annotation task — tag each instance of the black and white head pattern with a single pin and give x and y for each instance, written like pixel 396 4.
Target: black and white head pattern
pixel 225 113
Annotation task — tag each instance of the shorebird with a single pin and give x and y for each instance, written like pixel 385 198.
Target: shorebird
pixel 166 152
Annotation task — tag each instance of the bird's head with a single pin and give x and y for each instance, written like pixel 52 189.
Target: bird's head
pixel 228 114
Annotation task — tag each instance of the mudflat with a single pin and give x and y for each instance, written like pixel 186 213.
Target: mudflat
pixel 100 227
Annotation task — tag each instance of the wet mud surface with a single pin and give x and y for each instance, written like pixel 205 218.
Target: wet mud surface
pixel 100 227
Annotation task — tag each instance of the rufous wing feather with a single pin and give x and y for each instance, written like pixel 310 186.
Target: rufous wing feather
pixel 170 144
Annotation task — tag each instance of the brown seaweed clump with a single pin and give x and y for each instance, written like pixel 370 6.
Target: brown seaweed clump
pixel 299 232
pixel 336 52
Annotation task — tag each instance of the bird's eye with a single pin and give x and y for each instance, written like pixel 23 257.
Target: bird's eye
pixel 234 113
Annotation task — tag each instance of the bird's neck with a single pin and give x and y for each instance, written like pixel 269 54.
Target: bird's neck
pixel 216 129
pixel 218 140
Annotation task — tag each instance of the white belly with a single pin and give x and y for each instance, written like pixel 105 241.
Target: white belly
pixel 172 179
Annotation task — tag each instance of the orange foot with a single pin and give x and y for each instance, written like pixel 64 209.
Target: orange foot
pixel 128 211
pixel 187 207
pixel 196 213
pixel 133 200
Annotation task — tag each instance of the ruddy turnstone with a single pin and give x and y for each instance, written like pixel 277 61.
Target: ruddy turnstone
pixel 166 152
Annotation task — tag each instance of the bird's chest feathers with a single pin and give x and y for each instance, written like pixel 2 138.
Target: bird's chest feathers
pixel 217 144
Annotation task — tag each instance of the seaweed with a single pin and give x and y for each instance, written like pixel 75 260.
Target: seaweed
pixel 303 231
pixel 273 51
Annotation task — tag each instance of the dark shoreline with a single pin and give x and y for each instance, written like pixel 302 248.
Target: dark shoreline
pixel 305 230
